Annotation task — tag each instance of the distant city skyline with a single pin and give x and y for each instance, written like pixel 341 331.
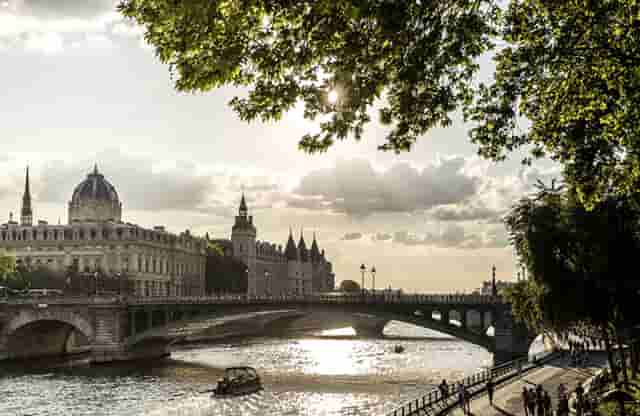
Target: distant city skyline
pixel 80 87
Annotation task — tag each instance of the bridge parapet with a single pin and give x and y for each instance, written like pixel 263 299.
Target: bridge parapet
pixel 327 299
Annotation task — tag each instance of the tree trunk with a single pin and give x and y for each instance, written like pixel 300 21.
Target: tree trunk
pixel 634 358
pixel 623 359
pixel 607 347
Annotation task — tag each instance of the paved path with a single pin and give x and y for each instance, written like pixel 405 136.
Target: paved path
pixel 507 398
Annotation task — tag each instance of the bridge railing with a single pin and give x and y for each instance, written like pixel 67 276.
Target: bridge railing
pixel 436 395
pixel 333 298
pixel 356 298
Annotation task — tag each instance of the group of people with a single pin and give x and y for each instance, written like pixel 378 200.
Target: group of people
pixel 537 402
pixel 464 398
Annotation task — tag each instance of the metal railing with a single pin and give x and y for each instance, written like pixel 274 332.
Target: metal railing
pixel 326 299
pixel 436 396
pixel 356 298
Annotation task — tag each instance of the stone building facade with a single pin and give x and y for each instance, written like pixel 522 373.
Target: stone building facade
pixel 272 269
pixel 157 262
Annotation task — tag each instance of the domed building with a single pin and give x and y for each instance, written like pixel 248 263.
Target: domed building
pixel 96 242
pixel 95 200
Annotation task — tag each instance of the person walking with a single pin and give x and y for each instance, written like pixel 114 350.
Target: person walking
pixel 467 400
pixel 539 401
pixel 547 404
pixel 525 401
pixel 490 387
pixel 531 402
pixel 461 398
pixel 444 389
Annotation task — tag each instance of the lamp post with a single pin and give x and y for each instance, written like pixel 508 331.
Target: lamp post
pixel 95 275
pixel 373 279
pixel 363 269
pixel 119 276
pixel 248 285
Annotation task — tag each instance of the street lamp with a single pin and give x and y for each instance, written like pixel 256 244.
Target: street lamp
pixel 373 278
pixel 248 285
pixel 363 269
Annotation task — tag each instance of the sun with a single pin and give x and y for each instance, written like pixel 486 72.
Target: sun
pixel 332 97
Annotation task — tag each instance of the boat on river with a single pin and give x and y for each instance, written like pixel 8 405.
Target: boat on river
pixel 238 381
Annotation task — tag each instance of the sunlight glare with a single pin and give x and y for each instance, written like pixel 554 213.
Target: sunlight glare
pixel 333 96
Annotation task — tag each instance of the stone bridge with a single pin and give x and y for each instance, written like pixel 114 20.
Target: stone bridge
pixel 112 329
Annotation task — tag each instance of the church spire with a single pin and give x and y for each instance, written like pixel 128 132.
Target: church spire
pixel 95 169
pixel 243 211
pixel 26 214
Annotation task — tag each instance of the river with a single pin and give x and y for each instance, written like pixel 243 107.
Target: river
pixel 310 376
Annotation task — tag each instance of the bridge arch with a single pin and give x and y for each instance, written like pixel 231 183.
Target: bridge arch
pixel 42 333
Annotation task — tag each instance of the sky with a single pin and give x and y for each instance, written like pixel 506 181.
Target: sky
pixel 79 85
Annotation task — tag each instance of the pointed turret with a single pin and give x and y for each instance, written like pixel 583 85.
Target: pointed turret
pixel 95 169
pixel 291 252
pixel 315 252
pixel 243 220
pixel 243 211
pixel 26 214
pixel 302 249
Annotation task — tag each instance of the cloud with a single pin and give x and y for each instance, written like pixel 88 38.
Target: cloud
pixel 381 237
pixel 352 236
pixel 465 212
pixel 49 43
pixel 139 183
pixel 455 236
pixel 50 26
pixel 355 188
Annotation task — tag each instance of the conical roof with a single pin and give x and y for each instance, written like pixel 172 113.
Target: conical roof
pixel 302 248
pixel 315 252
pixel 291 252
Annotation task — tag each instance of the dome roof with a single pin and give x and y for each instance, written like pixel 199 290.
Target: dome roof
pixel 95 187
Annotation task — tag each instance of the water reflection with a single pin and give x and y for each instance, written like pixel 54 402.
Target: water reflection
pixel 308 376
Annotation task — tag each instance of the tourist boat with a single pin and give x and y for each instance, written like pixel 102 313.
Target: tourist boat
pixel 238 381
pixel 398 349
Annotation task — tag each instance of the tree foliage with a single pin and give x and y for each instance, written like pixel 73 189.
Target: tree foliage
pixel 419 56
pixel 572 70
pixel 580 260
pixel 349 286
pixel 566 83
pixel 224 274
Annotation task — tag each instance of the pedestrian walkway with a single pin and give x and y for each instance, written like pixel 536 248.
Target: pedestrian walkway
pixel 507 399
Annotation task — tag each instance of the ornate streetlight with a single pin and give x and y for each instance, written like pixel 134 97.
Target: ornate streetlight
pixel 363 269
pixel 373 278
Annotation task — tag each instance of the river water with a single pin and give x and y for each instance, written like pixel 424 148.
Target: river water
pixel 302 376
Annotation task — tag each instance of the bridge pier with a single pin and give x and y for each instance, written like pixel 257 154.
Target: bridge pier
pixel 512 339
